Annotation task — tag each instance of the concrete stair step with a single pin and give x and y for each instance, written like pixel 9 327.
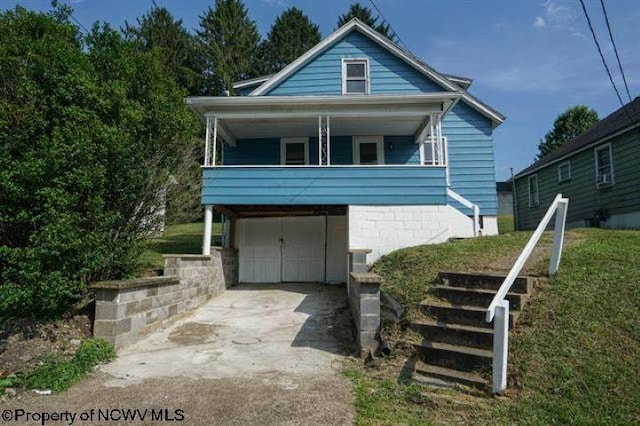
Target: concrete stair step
pixel 521 285
pixel 446 377
pixel 456 334
pixel 462 358
pixel 475 296
pixel 449 313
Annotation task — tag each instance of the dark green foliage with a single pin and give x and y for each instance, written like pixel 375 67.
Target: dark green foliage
pixel 158 29
pixel 356 10
pixel 229 42
pixel 58 374
pixel 567 126
pixel 291 35
pixel 89 134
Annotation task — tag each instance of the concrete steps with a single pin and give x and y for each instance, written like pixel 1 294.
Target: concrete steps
pixel 456 341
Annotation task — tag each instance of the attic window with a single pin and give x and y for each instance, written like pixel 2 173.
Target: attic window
pixel 355 77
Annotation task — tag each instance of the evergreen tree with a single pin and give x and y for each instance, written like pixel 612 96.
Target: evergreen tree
pixel 567 126
pixel 158 29
pixel 230 43
pixel 356 10
pixel 290 36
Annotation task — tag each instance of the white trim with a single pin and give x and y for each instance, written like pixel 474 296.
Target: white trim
pixel 611 176
pixel 584 148
pixel 378 140
pixel 568 164
pixel 251 82
pixel 230 101
pixel 335 166
pixel 355 24
pixel 283 150
pixel 533 202
pixel 367 75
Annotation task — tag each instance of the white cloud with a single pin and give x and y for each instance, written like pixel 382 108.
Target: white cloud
pixel 276 2
pixel 539 22
pixel 557 12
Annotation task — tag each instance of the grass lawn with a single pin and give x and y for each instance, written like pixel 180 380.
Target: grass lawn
pixel 573 356
pixel 184 238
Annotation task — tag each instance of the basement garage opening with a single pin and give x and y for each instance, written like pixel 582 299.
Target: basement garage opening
pixel 289 243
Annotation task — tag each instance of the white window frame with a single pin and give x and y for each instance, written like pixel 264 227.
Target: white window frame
pixel 597 166
pixel 533 201
pixel 560 166
pixel 357 140
pixel 283 150
pixel 367 75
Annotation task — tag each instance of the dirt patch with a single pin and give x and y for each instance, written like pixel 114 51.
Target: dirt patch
pixel 24 344
pixel 193 333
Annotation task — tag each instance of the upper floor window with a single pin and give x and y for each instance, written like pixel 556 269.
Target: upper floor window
pixel 294 151
pixel 564 171
pixel 355 77
pixel 534 195
pixel 604 166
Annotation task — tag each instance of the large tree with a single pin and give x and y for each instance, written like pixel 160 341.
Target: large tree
pixel 363 13
pixel 90 133
pixel 290 36
pixel 229 41
pixel 158 29
pixel 567 126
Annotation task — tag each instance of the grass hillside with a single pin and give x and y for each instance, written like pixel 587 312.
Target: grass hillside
pixel 573 356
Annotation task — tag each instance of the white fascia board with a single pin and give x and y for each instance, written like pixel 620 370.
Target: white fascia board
pixel 251 82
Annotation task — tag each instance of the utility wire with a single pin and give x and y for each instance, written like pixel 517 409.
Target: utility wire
pixel 615 49
pixel 604 62
pixel 79 23
pixel 388 23
pixel 154 3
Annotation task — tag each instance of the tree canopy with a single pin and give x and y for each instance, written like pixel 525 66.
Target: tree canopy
pixel 567 126
pixel 158 29
pixel 90 131
pixel 290 36
pixel 229 42
pixel 363 13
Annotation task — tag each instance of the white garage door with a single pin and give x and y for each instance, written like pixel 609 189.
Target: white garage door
pixel 288 249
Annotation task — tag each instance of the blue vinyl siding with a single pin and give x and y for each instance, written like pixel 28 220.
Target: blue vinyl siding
pixel 323 74
pixel 267 151
pixel 471 163
pixel 357 185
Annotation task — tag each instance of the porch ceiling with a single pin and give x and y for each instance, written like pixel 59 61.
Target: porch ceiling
pixel 308 126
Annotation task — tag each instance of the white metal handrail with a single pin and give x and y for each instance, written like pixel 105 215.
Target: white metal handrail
pixel 498 310
pixel 474 207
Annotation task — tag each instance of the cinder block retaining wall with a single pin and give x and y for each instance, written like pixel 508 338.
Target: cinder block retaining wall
pixel 363 290
pixel 129 309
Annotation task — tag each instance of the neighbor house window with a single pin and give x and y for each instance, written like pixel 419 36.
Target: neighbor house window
pixel 294 151
pixel 564 171
pixel 604 166
pixel 368 150
pixel 355 77
pixel 534 197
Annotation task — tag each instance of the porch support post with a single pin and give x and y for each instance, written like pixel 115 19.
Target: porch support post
pixel 319 140
pixel 208 224
pixel 328 141
pixel 215 141
pixel 207 138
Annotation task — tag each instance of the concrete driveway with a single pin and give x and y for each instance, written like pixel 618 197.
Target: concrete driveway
pixel 258 354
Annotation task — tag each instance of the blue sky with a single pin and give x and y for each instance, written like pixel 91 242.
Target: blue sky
pixel 530 59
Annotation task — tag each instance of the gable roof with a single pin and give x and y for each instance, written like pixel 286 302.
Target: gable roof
pixel 613 124
pixel 449 83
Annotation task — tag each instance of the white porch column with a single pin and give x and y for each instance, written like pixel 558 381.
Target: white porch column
pixel 208 224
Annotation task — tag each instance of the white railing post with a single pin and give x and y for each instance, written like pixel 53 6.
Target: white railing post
pixel 558 238
pixel 207 137
pixel 208 223
pixel 215 142
pixel 476 220
pixel 500 346
pixel 328 141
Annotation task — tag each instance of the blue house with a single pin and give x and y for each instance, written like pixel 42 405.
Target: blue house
pixel 357 144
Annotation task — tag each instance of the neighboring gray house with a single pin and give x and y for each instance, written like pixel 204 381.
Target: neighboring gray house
pixel 599 171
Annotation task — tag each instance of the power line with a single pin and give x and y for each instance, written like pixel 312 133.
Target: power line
pixel 388 23
pixel 615 49
pixel 604 62
pixel 79 23
pixel 154 3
